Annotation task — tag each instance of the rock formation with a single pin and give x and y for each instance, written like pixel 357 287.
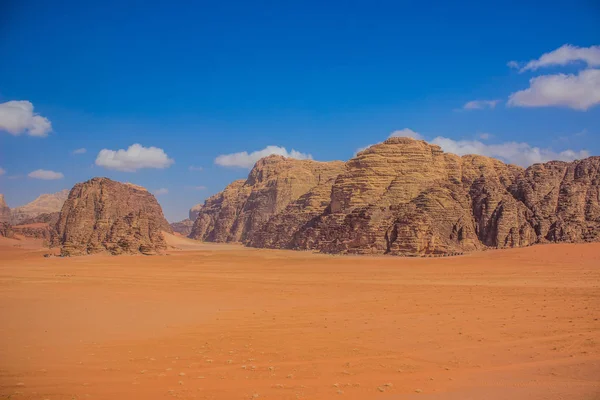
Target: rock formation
pixel 405 197
pixel 45 218
pixel 239 211
pixel 39 230
pixel 183 227
pixel 194 211
pixel 4 210
pixel 46 203
pixel 563 199
pixel 104 215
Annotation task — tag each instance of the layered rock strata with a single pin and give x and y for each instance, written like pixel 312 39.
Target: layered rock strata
pixel 103 215
pixel 239 211
pixel 406 197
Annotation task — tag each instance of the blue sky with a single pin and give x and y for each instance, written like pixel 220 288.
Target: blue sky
pixel 202 79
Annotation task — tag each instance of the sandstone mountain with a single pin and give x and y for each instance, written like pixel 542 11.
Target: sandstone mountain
pixel 4 210
pixel 183 227
pixel 104 215
pixel 405 197
pixel 45 204
pixel 237 213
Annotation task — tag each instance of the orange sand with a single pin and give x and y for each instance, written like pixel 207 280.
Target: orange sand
pixel 226 322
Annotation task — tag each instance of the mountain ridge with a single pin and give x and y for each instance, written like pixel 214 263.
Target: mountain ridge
pixel 406 197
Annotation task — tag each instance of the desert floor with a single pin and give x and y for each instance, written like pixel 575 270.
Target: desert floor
pixel 226 322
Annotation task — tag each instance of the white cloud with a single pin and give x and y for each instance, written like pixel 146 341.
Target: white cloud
pixel 80 151
pixel 480 104
pixel 361 149
pixel 190 187
pixel 245 160
pixel 513 152
pixel 194 168
pixel 161 191
pixel 512 64
pixel 564 55
pixel 17 117
pixel 45 174
pixel 578 92
pixel 485 136
pixel 2 171
pixel 406 132
pixel 134 158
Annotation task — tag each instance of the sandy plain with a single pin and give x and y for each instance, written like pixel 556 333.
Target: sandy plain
pixel 227 322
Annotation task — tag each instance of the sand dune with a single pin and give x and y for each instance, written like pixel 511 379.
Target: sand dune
pixel 225 322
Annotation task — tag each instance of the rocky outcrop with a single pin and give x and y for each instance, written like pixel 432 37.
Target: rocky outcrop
pixel 239 211
pixel 5 215
pixel 103 215
pixel 37 231
pixel 280 230
pixel 183 227
pixel 46 218
pixel 563 199
pixel 407 197
pixel 44 204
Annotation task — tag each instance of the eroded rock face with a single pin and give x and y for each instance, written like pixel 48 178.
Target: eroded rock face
pixel 183 227
pixel 104 215
pixel 564 199
pixel 5 214
pixel 47 218
pixel 37 231
pixel 42 226
pixel 239 211
pixel 407 197
pixel 44 204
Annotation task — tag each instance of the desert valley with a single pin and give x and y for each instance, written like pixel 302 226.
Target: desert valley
pixel 102 298
pixel 315 200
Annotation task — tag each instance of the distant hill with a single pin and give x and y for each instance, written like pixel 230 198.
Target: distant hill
pixel 44 204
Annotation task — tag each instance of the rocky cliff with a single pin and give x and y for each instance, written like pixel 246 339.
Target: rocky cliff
pixel 239 211
pixel 44 204
pixel 104 215
pixel 406 197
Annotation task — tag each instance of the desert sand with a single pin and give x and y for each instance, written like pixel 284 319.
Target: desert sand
pixel 227 322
